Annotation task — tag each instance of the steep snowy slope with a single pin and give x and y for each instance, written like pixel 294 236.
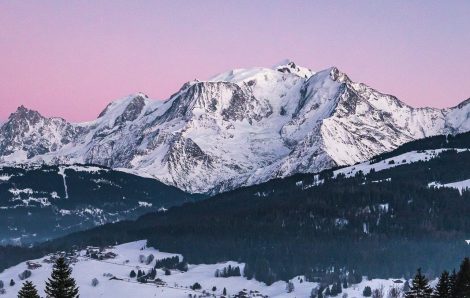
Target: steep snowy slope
pixel 238 128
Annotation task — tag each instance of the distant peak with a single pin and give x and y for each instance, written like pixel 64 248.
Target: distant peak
pixel 289 66
pixel 283 62
pixel 337 75
pixel 22 110
pixel 24 113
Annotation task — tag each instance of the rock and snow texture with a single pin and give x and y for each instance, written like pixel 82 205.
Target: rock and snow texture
pixel 175 285
pixel 238 128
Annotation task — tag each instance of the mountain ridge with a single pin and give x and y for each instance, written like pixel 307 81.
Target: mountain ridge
pixel 282 120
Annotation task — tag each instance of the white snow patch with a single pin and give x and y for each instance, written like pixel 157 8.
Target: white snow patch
pixel 460 185
pixel 62 173
pixel 144 204
pixel 5 177
pixel 402 159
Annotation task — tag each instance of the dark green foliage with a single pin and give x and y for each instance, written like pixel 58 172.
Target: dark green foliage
pixel 12 282
pixel 336 289
pixel 24 275
pixel 196 286
pixel 224 292
pixel 28 290
pixel 354 277
pixel 132 274
pixel 214 288
pixel 406 286
pixel 152 273
pixel 61 284
pixel 444 286
pixel 11 255
pixel 95 282
pixel 452 281
pixel 320 292
pixel 367 292
pixel 462 281
pixel 149 259
pixel 419 287
pixel 172 263
pixel 228 271
pixel 290 287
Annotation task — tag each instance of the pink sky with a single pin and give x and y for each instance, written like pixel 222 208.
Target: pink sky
pixel 70 58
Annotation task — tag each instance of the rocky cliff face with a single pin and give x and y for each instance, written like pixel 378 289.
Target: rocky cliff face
pixel 241 127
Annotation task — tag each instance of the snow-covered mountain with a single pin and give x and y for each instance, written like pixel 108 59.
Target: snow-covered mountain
pixel 238 128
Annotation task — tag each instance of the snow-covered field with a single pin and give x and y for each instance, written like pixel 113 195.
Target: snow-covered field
pixel 460 185
pixel 402 159
pixel 176 285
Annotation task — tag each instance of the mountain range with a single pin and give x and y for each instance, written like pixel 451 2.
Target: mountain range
pixel 239 128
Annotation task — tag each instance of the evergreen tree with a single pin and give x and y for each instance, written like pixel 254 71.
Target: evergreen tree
pixel 28 291
pixel 406 286
pixel 444 287
pixel 61 284
pixel 419 287
pixel 462 280
pixel 452 281
pixel 314 293
pixel 320 292
pixel 367 292
pixel 12 282
pixel 224 292
pixel 290 287
pixel 132 274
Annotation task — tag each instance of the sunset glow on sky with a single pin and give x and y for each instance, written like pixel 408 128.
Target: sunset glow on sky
pixel 71 58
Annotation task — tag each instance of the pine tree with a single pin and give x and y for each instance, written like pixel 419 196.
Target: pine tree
pixel 452 281
pixel 28 291
pixel 367 292
pixel 290 287
pixel 444 287
pixel 462 281
pixel 419 287
pixel 224 292
pixel 61 284
pixel 406 286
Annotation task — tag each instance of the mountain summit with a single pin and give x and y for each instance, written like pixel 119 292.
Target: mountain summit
pixel 241 127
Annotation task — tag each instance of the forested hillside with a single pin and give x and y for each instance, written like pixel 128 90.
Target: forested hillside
pixel 383 224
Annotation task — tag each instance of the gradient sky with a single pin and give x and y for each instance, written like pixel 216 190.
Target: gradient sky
pixel 70 58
